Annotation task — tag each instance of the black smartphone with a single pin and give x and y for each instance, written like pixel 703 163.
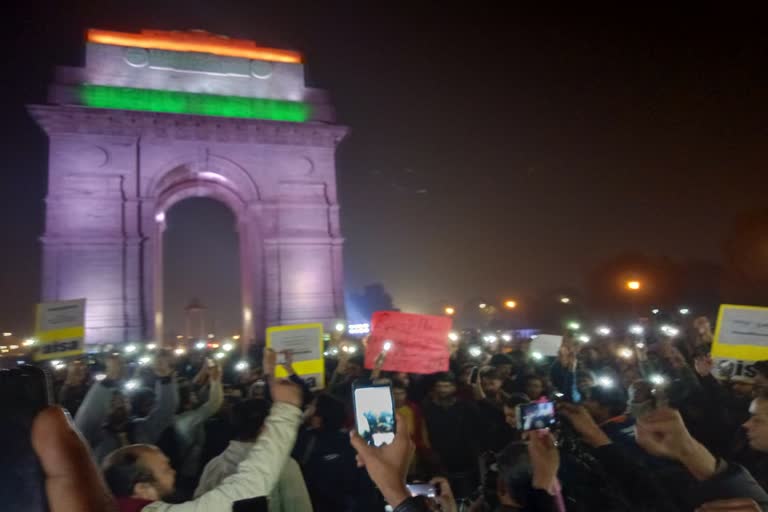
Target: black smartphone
pixel 374 413
pixel 535 415
pixel 473 375
pixel 422 489
pixel 24 391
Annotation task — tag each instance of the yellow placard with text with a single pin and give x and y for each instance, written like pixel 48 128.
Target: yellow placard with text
pixel 305 341
pixel 741 333
pixel 60 329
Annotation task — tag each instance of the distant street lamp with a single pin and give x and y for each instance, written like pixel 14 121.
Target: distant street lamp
pixel 482 305
pixel 565 300
pixel 510 304
pixel 450 311
pixel 633 285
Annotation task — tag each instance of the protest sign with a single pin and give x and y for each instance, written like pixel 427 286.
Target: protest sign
pixel 419 343
pixel 741 338
pixel 60 329
pixel 305 342
pixel 546 344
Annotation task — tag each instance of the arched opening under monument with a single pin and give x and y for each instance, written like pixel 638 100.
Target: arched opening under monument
pixel 201 270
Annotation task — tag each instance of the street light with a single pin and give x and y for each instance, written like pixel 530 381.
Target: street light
pixel 633 285
pixel 510 304
pixel 450 310
pixel 684 311
pixel 565 300
pixel 482 305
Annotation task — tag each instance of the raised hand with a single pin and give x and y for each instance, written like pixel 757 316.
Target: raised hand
pixel 545 459
pixel 582 421
pixel 114 367
pixel 162 365
pixel 288 362
pixel 269 362
pixel 287 392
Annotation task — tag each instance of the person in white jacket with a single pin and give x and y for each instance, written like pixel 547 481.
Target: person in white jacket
pixel 139 476
pixel 290 494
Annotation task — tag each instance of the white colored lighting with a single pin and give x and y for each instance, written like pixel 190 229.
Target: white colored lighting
pixel 220 355
pixel 574 326
pixel 227 347
pixel 584 338
pixel 670 330
pixel 565 300
pixel 99 377
pixel 640 345
pixel 506 337
pixel 655 311
pixel 387 346
pixel 145 360
pixel 491 338
pixel 475 351
pixel 200 345
pixel 537 356
pixel 636 329
pixel 603 330
pixel 241 366
pixel 340 327
pixel 657 379
pixel 132 384
pixel 359 328
pixel 151 346
pixel 160 217
pixel 351 349
pixel 180 351
pixel 130 349
pixel 605 381
pixel 7 334
pixel 453 336
pixel 482 305
pixel 55 363
pixel 211 336
pixel 625 353
pixel 684 311
pixel 29 342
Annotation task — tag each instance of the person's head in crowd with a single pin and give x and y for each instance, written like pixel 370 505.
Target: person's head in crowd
pixel 188 399
pixel 142 402
pixel 761 378
pixel 119 412
pixel 757 425
pixel 641 398
pixel 514 484
pixel 534 387
pixel 399 393
pixel 503 364
pixel 510 407
pixel 606 402
pixel 403 378
pixel 139 471
pixel 355 366
pixel 490 381
pixel 329 413
pixel 584 382
pixel 742 387
pixel 248 419
pixel 444 387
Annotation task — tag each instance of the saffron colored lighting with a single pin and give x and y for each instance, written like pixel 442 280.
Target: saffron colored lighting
pixel 201 42
pixel 174 102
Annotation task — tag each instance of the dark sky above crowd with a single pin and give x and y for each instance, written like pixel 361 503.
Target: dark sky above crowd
pixel 493 151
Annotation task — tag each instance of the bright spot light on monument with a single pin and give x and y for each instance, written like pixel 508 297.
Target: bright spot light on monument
pixel 160 217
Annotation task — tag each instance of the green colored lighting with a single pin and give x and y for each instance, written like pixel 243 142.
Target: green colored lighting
pixel 174 102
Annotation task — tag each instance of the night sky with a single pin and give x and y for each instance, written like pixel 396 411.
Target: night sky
pixel 492 152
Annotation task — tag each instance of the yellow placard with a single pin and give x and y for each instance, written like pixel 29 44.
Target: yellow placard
pixel 305 341
pixel 741 333
pixel 60 329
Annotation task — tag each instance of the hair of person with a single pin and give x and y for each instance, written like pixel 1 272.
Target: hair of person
pixel 490 373
pixel 516 471
pixel 248 417
pixel 331 410
pixel 614 399
pixel 123 469
pixel 140 398
pixel 515 399
pixel 444 377
pixel 761 367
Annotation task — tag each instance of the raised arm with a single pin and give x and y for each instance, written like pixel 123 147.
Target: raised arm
pixel 97 402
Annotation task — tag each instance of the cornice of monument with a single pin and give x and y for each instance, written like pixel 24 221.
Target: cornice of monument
pixel 76 120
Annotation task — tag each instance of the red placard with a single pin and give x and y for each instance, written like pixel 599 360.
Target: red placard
pixel 419 342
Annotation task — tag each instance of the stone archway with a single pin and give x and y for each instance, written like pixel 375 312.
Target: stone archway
pixel 129 139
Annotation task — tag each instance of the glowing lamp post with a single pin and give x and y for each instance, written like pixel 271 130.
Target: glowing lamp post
pixel 633 285
pixel 510 304
pixel 450 310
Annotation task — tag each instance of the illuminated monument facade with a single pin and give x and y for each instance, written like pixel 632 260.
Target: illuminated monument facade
pixel 158 117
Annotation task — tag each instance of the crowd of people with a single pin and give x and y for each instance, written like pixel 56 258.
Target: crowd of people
pixel 644 423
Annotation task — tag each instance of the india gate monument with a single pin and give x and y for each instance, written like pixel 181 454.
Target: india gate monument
pixel 156 117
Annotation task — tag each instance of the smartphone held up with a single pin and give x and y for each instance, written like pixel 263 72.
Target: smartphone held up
pixel 535 416
pixel 374 414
